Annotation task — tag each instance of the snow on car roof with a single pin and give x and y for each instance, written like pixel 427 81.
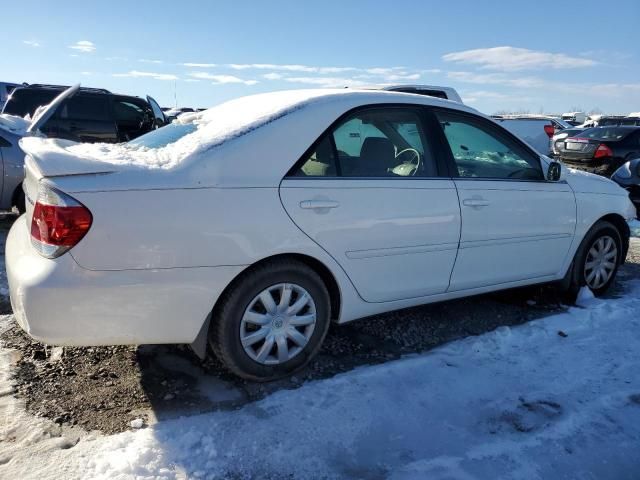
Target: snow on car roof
pixel 193 134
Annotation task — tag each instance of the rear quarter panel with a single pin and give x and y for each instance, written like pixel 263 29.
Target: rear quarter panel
pixel 184 228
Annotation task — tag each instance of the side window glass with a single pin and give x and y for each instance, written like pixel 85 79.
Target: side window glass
pixel 386 142
pixel 481 152
pixel 86 107
pixel 127 113
pixel 381 142
pixel 321 162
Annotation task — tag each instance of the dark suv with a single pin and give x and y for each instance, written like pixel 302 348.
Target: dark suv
pixel 91 115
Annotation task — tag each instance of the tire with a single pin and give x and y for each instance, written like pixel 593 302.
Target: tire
pixel 579 273
pixel 242 304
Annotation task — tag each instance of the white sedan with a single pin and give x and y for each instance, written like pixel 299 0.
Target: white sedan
pixel 251 226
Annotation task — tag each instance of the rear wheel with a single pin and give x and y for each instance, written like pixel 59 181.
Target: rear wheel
pixel 596 262
pixel 272 321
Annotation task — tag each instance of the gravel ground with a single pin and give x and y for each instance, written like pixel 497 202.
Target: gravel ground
pixel 104 388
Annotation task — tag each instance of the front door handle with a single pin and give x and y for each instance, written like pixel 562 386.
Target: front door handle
pixel 475 202
pixel 318 204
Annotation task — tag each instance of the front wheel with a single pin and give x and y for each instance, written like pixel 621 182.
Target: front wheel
pixel 596 262
pixel 272 321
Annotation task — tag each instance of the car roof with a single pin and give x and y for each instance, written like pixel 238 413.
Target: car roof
pixel 60 88
pixel 523 117
pixel 305 112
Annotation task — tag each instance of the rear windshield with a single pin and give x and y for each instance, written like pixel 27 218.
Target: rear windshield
pixel 572 131
pixel 164 136
pixel 606 133
pixel 25 101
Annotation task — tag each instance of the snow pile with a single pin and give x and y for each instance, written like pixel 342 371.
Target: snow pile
pixel 14 124
pixel 213 127
pixel 20 432
pixel 554 398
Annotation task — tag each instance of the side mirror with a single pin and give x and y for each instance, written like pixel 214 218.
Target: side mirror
pixel 554 171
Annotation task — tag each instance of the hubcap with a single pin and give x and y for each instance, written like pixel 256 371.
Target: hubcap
pixel 601 262
pixel 278 323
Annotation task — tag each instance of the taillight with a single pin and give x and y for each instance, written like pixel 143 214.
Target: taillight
pixel 550 130
pixel 603 151
pixel 58 223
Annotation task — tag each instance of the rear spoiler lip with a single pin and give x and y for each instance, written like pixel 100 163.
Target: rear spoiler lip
pixel 49 159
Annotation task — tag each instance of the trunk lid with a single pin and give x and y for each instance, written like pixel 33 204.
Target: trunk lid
pixel 49 158
pixel 45 158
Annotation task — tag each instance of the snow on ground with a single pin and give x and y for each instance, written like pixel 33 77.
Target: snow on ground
pixel 554 398
pixel 634 225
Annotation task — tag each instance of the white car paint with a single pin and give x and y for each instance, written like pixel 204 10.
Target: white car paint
pixel 165 242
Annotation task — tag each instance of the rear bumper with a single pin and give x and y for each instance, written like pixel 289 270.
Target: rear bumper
pixel 60 303
pixel 601 166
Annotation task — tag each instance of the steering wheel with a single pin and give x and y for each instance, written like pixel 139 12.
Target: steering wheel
pixel 413 158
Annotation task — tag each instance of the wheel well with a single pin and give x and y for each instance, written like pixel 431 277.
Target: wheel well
pixel 620 223
pixel 16 194
pixel 316 265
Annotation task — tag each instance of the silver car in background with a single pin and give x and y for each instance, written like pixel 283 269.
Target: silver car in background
pixel 12 159
pixel 12 129
pixel 536 130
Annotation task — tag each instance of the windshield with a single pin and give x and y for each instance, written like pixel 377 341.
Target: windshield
pixel 164 136
pixel 606 133
pixel 25 101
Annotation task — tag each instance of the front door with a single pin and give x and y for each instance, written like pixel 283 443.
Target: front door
pixel 515 224
pixel 369 193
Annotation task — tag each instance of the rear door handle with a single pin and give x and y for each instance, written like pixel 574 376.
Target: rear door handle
pixel 318 204
pixel 475 202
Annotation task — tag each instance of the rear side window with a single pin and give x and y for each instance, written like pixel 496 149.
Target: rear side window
pixel 480 151
pixel 24 101
pixel 380 142
pixel 86 107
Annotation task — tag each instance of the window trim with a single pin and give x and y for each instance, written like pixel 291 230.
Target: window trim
pixel 491 126
pixel 433 145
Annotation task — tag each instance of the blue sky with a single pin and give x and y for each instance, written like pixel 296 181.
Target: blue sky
pixel 500 55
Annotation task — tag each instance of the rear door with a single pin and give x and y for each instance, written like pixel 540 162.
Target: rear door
pixel 515 225
pixel 369 193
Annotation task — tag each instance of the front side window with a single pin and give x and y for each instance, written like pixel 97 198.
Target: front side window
pixel 480 151
pixel 379 142
pixel 127 112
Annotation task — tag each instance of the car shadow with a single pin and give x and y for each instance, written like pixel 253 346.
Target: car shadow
pixel 177 383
